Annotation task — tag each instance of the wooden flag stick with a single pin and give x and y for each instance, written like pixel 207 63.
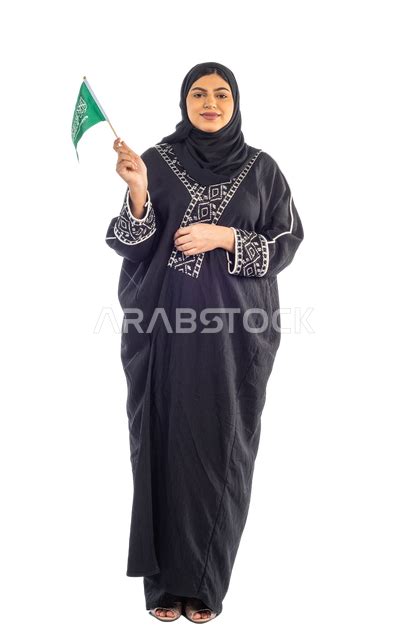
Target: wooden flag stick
pixel 99 105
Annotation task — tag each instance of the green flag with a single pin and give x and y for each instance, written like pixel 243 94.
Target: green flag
pixel 87 112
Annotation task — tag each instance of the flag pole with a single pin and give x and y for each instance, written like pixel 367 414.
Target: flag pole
pixel 99 105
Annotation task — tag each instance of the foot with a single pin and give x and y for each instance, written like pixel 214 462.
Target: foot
pixel 196 610
pixel 198 615
pixel 168 613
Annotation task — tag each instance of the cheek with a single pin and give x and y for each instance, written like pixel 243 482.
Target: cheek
pixel 229 109
pixel 192 110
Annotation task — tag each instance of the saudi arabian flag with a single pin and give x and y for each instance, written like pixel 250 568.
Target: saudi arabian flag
pixel 87 112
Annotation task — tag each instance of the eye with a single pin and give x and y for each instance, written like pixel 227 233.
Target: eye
pixel 220 95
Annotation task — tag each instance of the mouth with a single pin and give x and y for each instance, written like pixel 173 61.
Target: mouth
pixel 210 115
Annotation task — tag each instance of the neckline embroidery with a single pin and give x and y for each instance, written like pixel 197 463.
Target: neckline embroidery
pixel 166 150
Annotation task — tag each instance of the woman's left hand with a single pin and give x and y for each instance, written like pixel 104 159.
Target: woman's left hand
pixel 199 237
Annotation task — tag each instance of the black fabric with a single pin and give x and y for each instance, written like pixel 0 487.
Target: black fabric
pixel 210 156
pixel 195 398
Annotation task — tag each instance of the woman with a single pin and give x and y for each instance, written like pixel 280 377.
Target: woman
pixel 206 225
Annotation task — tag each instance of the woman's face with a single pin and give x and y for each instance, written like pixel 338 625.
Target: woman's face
pixel 210 94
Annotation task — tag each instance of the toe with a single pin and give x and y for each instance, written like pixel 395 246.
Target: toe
pixel 165 613
pixel 201 614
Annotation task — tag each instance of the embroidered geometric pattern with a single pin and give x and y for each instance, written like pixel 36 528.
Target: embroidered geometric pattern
pixel 131 230
pixel 206 205
pixel 252 250
pixel 251 254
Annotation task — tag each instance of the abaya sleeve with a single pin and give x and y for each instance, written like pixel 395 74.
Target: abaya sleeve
pixel 272 247
pixel 133 238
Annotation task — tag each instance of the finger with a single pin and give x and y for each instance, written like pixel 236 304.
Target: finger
pixel 184 244
pixel 181 232
pixel 129 160
pixel 118 143
pixel 127 152
pixel 125 156
pixel 122 146
pixel 126 164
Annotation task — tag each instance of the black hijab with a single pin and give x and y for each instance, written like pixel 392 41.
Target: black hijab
pixel 210 157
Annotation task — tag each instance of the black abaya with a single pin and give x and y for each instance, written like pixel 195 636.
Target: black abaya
pixel 195 397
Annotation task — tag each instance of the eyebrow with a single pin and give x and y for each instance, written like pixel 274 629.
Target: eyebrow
pixel 201 89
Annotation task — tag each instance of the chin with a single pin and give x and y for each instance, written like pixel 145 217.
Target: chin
pixel 208 126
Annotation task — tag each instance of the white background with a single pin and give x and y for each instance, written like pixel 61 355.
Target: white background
pixel 323 90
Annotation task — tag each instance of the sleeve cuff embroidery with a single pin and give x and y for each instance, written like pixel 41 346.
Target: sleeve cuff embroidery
pixel 251 254
pixel 131 230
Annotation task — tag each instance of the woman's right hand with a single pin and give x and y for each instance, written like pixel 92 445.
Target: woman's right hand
pixel 130 167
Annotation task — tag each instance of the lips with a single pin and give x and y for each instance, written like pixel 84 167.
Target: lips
pixel 210 115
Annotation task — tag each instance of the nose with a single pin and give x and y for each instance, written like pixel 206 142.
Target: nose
pixel 209 102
